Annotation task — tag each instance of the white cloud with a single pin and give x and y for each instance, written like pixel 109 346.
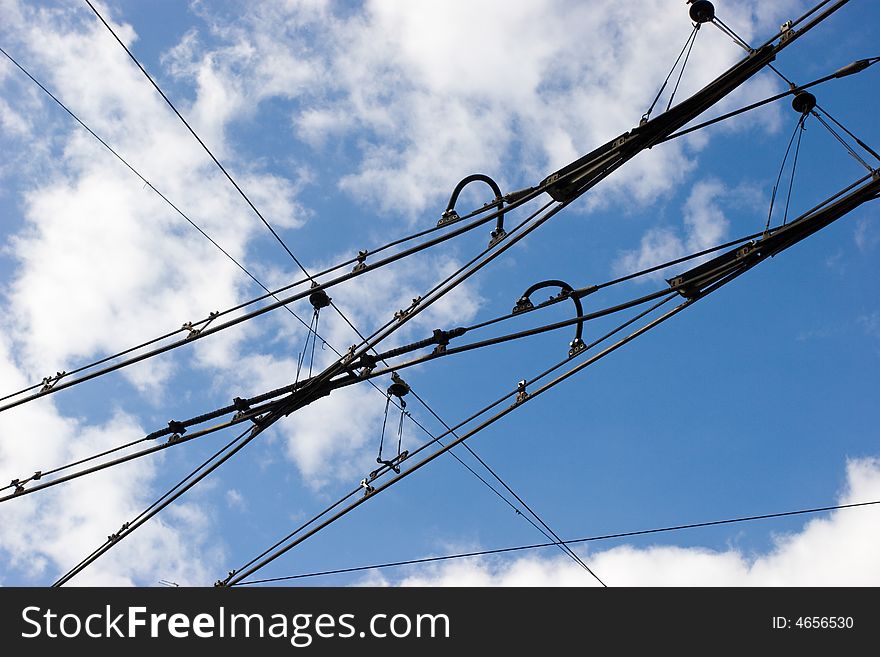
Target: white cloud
pixel 102 263
pixel 866 234
pixel 235 500
pixel 837 550
pixel 429 90
pixel 705 225
pixel 47 532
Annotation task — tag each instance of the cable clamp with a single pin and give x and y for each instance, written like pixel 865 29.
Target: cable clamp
pixel 50 381
pixel 448 217
pixel 224 582
pixel 441 338
pixel 349 356
pixel 18 484
pixel 394 464
pixel 787 32
pixel 401 314
pixel 361 261
pixel 193 331
pixel 496 236
pixel 115 537
pixel 367 363
pixel 576 346
pixel 523 305
pixel 521 394
pixel 368 490
pixel 176 427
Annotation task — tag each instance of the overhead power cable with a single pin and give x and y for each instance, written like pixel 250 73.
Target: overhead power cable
pixel 850 69
pixel 693 285
pixel 247 409
pixel 576 541
pixel 52 384
pixel 545 528
pixel 565 186
pixel 18 484
pixel 199 139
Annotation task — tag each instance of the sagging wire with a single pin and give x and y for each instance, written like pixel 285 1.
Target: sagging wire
pixel 808 101
pixel 849 149
pixel 688 44
pixel 535 546
pixel 398 388
pixel 694 285
pixel 239 405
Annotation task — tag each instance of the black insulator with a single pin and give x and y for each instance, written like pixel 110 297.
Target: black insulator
pixel 398 387
pixel 319 299
pixel 702 11
pixel 803 102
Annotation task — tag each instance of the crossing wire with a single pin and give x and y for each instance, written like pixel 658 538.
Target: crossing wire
pixel 462 278
pixel 17 483
pixel 536 546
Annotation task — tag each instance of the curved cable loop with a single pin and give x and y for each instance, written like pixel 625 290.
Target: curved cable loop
pixel 398 388
pixel 565 290
pixel 449 214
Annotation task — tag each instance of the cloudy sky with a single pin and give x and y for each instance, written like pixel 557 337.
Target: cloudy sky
pixel 347 125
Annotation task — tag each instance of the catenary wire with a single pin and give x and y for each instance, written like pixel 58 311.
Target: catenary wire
pixel 225 410
pixel 534 192
pixel 226 253
pixel 536 546
pixel 549 533
pixel 497 340
pixel 170 496
pixel 488 259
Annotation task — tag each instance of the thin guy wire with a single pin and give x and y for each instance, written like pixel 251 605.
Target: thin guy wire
pixel 535 546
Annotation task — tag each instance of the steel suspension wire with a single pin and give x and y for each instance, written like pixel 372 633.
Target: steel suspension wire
pixel 872 60
pixel 536 546
pixel 849 149
pixel 850 69
pixel 218 458
pixel 199 139
pixel 438 439
pixel 798 130
pixel 239 575
pixel 687 44
pixel 547 530
pixel 696 284
pixel 243 417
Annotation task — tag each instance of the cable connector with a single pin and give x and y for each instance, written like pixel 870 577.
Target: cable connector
pixel 402 313
pixel 113 538
pixel 368 490
pixel 521 394
pixel 349 355
pixel 50 381
pixel 576 346
pixel 223 583
pixel 787 32
pixel 176 427
pixel 496 236
pixel 193 331
pixel 448 217
pixel 361 261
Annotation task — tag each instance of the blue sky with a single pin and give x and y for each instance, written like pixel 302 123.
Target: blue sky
pixel 348 125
